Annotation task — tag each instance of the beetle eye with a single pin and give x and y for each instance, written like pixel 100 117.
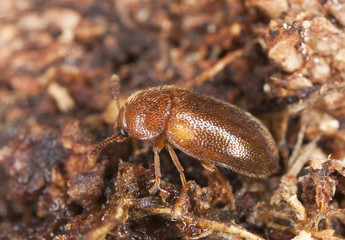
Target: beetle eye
pixel 123 132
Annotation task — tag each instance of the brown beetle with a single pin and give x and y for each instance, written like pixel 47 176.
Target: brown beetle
pixel 213 131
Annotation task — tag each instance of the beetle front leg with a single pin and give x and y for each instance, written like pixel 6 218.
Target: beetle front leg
pixel 158 144
pixel 157 183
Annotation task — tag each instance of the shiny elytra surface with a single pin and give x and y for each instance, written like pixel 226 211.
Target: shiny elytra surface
pixel 208 129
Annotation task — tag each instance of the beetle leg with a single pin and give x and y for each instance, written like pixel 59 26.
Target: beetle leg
pixel 138 151
pixel 155 186
pixel 178 165
pixel 227 187
pixel 157 147
pixel 208 165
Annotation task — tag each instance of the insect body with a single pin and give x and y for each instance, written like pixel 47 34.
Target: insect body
pixel 213 131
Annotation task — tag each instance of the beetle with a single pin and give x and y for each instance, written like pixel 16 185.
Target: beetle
pixel 208 129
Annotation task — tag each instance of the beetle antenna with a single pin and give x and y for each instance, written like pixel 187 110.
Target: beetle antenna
pixel 115 87
pixel 115 92
pixel 96 150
